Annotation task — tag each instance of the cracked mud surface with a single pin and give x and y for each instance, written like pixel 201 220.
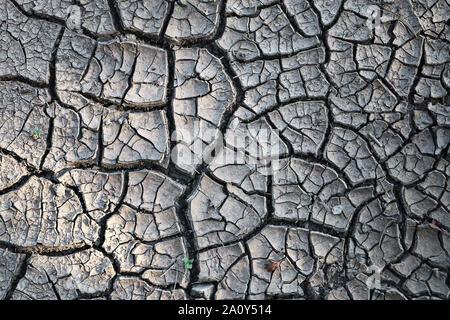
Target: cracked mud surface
pixel 97 96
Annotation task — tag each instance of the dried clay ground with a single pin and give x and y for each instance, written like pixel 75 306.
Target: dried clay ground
pixel 345 111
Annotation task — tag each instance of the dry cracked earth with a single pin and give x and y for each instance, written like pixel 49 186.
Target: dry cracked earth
pixel 104 106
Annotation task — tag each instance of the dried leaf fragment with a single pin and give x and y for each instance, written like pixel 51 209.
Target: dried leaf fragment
pixel 273 265
pixel 434 226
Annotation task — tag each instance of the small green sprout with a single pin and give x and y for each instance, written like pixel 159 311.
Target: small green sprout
pixel 188 263
pixel 35 133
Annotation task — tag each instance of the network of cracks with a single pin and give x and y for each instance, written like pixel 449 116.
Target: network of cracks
pixel 105 104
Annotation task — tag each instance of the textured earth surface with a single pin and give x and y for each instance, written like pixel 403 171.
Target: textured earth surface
pixel 104 106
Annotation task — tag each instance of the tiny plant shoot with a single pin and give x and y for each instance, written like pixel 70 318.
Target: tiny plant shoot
pixel 35 133
pixel 188 262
